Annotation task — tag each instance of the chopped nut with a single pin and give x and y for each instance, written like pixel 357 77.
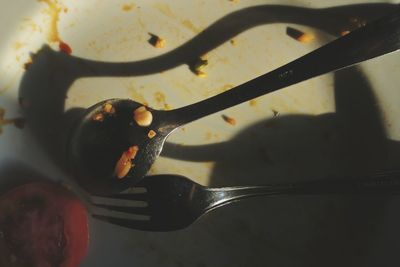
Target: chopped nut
pixel 124 164
pixel 198 66
pixel 299 35
pixel 306 38
pixel 108 108
pixel 98 117
pixel 229 120
pixel 157 41
pixel 151 134
pixel 123 167
pixel 132 151
pixel 142 116
pixel 343 33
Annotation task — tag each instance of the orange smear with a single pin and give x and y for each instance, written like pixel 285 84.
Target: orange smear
pixel 54 10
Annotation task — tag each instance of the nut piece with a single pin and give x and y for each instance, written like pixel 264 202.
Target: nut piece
pixel 306 38
pixel 299 35
pixel 229 120
pixel 123 167
pixel 124 164
pixel 345 32
pixel 108 108
pixel 98 117
pixel 151 134
pixel 157 41
pixel 142 116
pixel 132 151
pixel 198 66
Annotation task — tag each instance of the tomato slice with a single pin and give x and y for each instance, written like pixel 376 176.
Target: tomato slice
pixel 42 225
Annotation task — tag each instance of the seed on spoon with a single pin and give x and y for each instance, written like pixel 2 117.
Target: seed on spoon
pixel 142 116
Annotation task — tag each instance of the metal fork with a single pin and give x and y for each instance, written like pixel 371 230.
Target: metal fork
pixel 172 202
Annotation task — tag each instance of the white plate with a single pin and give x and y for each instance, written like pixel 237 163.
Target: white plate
pixel 337 124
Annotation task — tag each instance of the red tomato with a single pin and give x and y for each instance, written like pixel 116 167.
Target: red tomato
pixel 42 225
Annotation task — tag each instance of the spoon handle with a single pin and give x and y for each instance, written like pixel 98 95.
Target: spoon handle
pixel 386 183
pixel 375 39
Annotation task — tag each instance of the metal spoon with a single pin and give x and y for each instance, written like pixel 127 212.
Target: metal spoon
pixel 96 146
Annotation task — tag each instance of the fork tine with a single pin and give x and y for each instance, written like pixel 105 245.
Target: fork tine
pixel 129 196
pixel 120 203
pixel 128 223
pixel 125 209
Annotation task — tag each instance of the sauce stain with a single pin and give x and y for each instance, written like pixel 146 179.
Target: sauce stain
pixel 128 7
pixel 165 9
pixel 190 26
pixel 161 100
pixel 54 9
pixel 136 96
pixel 253 103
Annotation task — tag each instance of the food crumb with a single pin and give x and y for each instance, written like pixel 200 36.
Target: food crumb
pixel 234 1
pixel 108 108
pixel 198 66
pixel 343 33
pixel 98 117
pixel 156 41
pixel 253 102
pixel 64 47
pixel 151 134
pixel 229 120
pixel 299 35
pixel 142 116
pixel 124 164
pixel 233 42
pixel 127 7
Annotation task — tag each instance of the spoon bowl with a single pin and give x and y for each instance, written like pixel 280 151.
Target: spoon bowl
pixel 100 138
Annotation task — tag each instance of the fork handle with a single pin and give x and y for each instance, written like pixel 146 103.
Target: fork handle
pixel 375 39
pixel 381 184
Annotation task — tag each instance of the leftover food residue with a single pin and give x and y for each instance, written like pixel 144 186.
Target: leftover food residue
pixel 161 100
pixel 299 35
pixel 107 110
pixel 156 41
pixel 230 120
pixel 142 116
pixel 151 134
pixel 18 122
pixel 127 7
pixel 54 10
pixel 197 67
pixel 124 164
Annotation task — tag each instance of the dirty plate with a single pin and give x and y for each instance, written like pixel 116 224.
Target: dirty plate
pixel 59 57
